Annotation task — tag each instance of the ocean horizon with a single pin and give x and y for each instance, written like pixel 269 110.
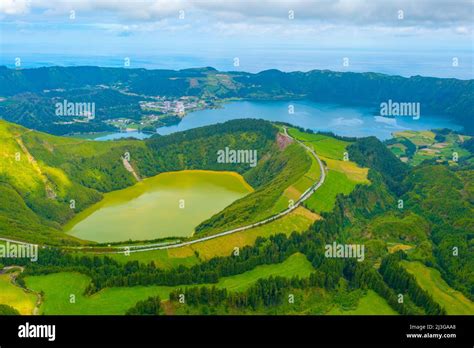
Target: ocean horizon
pixel 401 63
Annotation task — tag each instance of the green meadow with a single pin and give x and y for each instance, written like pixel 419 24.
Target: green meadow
pixel 341 177
pixel 59 287
pixel 427 146
pixel 369 304
pixel 323 145
pixel 162 258
pixel 324 198
pixel 15 296
pixel 311 176
pixel 297 188
pixel 430 280
pixel 295 265
pixel 297 221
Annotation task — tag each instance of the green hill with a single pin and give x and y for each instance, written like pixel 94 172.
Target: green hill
pixel 435 221
pixel 271 178
pixel 31 92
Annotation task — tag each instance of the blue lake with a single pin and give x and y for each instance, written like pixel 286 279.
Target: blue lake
pixel 346 121
pixel 121 135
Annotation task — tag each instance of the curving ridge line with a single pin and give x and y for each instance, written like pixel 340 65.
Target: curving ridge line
pixel 161 246
pixel 300 200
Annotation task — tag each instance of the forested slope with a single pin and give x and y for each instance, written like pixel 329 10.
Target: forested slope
pixel 42 175
pixel 29 105
pixel 369 216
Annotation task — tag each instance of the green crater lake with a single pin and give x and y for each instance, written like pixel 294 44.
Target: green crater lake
pixel 151 208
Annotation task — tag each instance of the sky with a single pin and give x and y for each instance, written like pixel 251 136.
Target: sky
pixel 405 37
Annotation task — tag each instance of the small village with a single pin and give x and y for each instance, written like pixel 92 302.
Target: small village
pixel 162 110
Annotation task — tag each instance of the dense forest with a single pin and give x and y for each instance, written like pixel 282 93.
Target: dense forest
pixel 150 306
pixel 8 310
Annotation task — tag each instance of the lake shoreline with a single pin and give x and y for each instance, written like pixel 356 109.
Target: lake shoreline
pixel 224 187
pixel 342 120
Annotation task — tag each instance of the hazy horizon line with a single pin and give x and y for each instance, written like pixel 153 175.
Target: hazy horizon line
pixel 233 71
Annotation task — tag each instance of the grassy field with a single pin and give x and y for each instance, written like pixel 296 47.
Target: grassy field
pixel 369 304
pixel 324 198
pixel 295 265
pixel 323 145
pixel 430 280
pixel 16 297
pixel 164 259
pixel 15 162
pixel 19 176
pixel 427 146
pixel 294 191
pixel 342 176
pixel 297 221
pixel 311 176
pixel 58 288
pixel 419 138
pixel 351 170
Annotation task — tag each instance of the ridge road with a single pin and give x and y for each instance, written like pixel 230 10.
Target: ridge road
pixel 300 200
pixel 160 246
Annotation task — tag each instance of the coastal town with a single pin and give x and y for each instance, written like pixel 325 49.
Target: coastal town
pixel 155 111
pixel 161 111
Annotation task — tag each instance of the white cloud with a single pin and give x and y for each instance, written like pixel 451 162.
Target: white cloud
pixel 14 7
pixel 141 27
pixel 362 12
pixel 463 30
pixel 420 12
pixel 253 17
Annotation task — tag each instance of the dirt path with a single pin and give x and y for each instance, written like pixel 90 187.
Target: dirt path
pixel 13 278
pixel 129 168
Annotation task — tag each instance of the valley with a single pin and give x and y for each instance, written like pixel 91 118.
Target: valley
pixel 118 300
pixel 127 222
pixel 176 171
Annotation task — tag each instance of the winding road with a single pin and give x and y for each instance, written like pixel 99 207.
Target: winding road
pixel 160 246
pixel 300 200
